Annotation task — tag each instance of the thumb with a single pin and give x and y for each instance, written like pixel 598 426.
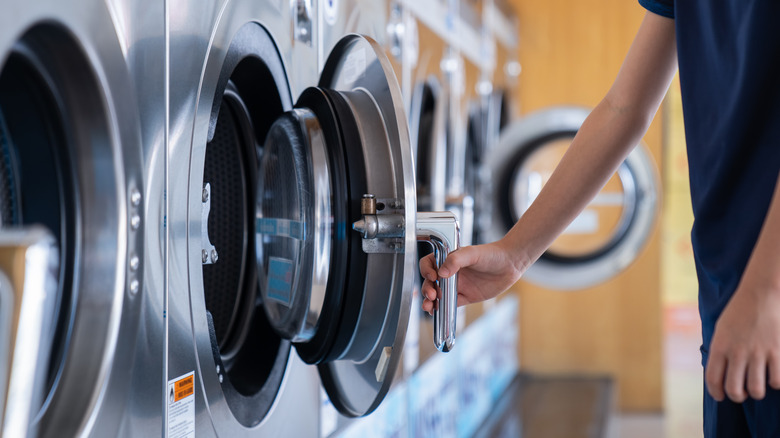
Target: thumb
pixel 459 259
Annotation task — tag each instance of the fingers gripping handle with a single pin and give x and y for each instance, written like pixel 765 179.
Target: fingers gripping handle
pixel 441 231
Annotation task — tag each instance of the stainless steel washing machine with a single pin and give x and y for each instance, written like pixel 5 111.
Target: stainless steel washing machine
pixel 230 76
pixel 468 69
pixel 265 274
pixel 609 233
pixel 429 110
pixel 72 162
pixel 499 41
pixel 141 28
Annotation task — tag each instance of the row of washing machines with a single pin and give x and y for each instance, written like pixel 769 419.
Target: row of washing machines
pixel 211 210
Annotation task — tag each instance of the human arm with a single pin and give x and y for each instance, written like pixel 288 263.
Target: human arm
pixel 746 342
pixel 609 133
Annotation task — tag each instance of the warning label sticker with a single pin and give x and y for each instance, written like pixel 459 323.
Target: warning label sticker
pixel 181 406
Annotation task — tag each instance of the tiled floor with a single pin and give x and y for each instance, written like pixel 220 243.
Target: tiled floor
pixel 682 386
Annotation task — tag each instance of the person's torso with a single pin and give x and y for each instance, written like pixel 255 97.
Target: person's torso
pixel 729 58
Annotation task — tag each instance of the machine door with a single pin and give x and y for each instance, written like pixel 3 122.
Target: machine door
pixel 70 163
pixel 336 228
pixel 610 232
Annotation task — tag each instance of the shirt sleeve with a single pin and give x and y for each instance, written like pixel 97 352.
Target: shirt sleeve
pixel 664 8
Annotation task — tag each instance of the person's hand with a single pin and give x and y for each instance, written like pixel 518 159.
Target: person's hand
pixel 745 345
pixel 484 271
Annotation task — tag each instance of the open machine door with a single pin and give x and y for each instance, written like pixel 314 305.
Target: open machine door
pixel 342 159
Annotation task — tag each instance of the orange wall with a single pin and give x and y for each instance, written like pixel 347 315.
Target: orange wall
pixel 570 52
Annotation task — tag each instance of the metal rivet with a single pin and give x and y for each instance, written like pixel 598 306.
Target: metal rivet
pixel 134 263
pixel 218 369
pixel 134 286
pixel 135 221
pixel 135 197
pixel 214 256
pixel 205 195
pixel 220 378
pixel 204 255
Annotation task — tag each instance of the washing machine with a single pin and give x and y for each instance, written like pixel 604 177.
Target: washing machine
pixel 292 228
pixel 230 76
pixel 140 25
pixel 610 232
pixel 430 99
pixel 471 85
pixel 499 43
pixel 72 163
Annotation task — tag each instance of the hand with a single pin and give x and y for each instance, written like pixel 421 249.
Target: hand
pixel 484 271
pixel 746 344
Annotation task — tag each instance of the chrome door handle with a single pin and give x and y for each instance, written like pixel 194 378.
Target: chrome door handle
pixel 442 232
pixel 383 233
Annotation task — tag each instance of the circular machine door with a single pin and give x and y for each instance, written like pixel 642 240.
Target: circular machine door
pixel 610 232
pixel 70 160
pixel 343 302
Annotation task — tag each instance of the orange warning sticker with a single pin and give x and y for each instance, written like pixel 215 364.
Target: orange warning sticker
pixel 183 387
pixel 181 406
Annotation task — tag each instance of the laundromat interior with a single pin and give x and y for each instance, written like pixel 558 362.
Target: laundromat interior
pixel 212 215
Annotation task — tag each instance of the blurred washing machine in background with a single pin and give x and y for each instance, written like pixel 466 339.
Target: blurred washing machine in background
pixel 610 232
pixel 467 68
pixel 499 108
pixel 72 162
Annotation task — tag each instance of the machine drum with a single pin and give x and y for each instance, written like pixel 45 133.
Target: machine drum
pixel 9 196
pixel 227 164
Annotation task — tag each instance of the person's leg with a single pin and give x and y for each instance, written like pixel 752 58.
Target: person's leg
pixel 724 419
pixel 763 417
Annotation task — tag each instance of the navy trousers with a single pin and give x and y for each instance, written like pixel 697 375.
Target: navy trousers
pixel 756 419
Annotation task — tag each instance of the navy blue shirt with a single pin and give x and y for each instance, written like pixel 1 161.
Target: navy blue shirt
pixel 729 59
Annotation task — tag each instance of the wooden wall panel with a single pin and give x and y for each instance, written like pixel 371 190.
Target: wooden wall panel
pixel 570 52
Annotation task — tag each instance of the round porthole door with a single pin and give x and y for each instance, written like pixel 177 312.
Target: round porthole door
pixel 608 234
pixel 336 226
